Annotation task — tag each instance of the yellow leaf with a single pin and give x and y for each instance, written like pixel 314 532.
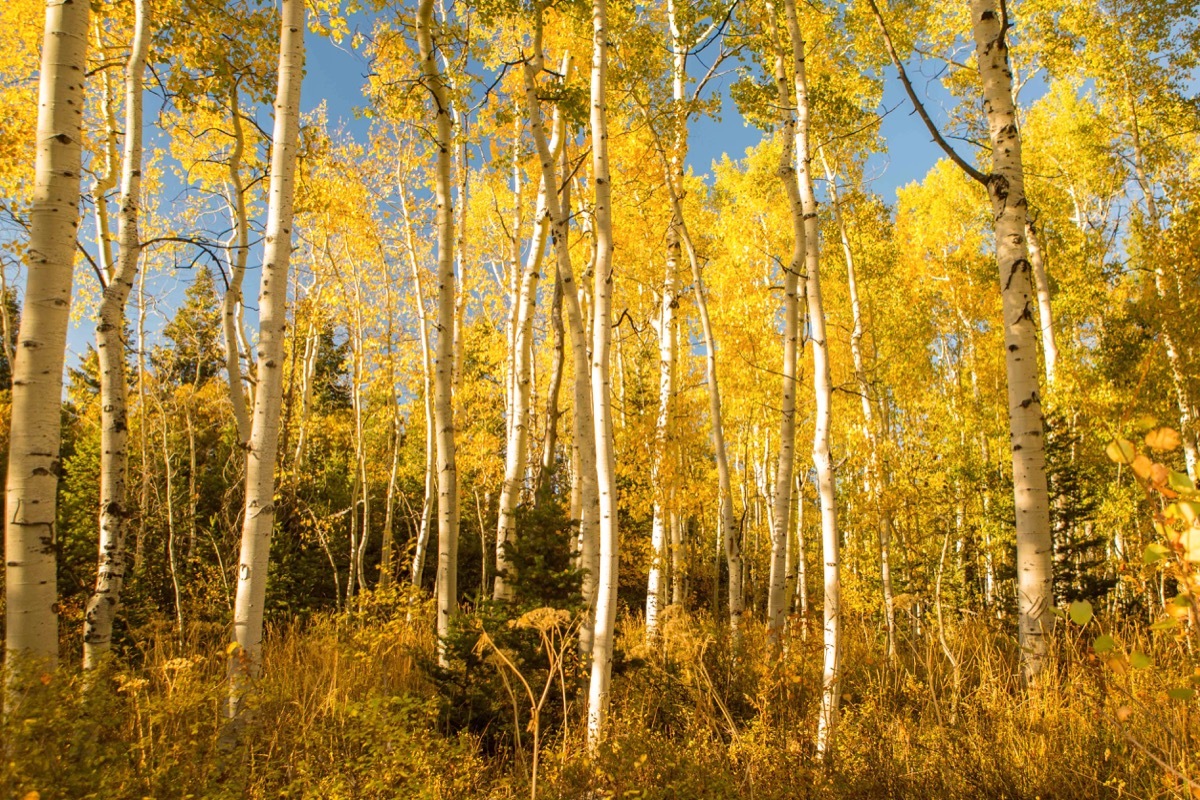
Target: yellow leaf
pixel 1124 712
pixel 1165 439
pixel 1190 541
pixel 1142 467
pixel 1121 450
pixel 232 648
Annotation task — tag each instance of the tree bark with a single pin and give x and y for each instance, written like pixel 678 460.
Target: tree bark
pixel 1006 188
pixel 606 595
pixel 231 303
pixel 443 410
pixel 110 350
pixel 1045 313
pixel 31 594
pixel 245 659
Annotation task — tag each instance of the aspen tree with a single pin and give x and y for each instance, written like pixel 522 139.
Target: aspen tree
pixel 447 473
pixel 239 250
pixel 31 595
pixel 518 430
pixel 776 606
pixel 110 351
pixel 1006 189
pixel 1037 260
pixel 874 479
pixel 606 594
pixel 253 562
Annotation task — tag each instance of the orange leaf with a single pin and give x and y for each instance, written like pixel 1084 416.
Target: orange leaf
pixel 1165 439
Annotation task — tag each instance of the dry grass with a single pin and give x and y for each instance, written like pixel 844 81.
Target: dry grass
pixel 345 711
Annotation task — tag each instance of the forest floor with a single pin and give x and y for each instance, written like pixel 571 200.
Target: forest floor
pixel 353 706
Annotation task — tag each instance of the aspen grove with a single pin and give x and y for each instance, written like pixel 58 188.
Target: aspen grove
pixel 600 399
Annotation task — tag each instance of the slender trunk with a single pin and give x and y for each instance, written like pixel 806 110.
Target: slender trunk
pixel 553 412
pixel 254 559
pixel 789 138
pixel 585 426
pixel 239 250
pixel 31 592
pixel 114 385
pixel 1167 287
pixel 517 450
pixel 728 532
pixel 143 422
pixel 874 481
pixel 606 595
pixel 801 559
pixel 447 473
pixel 422 545
pixel 678 589
pixel 1006 187
pixel 1045 314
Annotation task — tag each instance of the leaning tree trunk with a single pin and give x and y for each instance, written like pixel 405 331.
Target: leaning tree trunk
pixel 245 659
pixel 1006 187
pixel 231 303
pixel 823 393
pixel 517 452
pixel 110 351
pixel 447 473
pixel 31 591
pixel 777 587
pixel 585 444
pixel 606 595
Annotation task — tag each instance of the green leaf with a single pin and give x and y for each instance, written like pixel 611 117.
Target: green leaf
pixel 1154 553
pixel 1181 694
pixel 1081 612
pixel 1058 612
pixel 1165 624
pixel 1139 660
pixel 1181 483
pixel 1182 601
pixel 1104 643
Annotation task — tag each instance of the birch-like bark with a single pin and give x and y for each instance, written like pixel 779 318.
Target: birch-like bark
pixel 443 410
pixel 823 394
pixel 874 480
pixel 585 426
pixel 517 451
pixel 239 251
pixel 729 533
pixel 1006 188
pixel 31 592
pixel 1045 313
pixel 789 138
pixel 422 546
pixel 245 660
pixel 110 351
pixel 606 595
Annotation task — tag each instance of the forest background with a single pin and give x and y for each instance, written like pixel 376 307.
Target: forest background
pixel 448 437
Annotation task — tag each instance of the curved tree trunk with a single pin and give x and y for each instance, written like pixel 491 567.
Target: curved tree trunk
pixel 114 384
pixel 443 409
pixel 259 518
pixel 31 593
pixel 1006 187
pixel 231 303
pixel 606 594
pixel 517 451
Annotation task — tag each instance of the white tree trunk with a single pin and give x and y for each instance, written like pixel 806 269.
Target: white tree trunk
pixel 780 516
pixel 1006 187
pixel 31 594
pixel 239 250
pixel 660 486
pixel 110 350
pixel 517 451
pixel 259 518
pixel 606 595
pixel 875 477
pixel 823 393
pixel 1045 313
pixel 443 410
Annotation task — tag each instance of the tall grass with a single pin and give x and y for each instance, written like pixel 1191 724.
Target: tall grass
pixel 345 711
